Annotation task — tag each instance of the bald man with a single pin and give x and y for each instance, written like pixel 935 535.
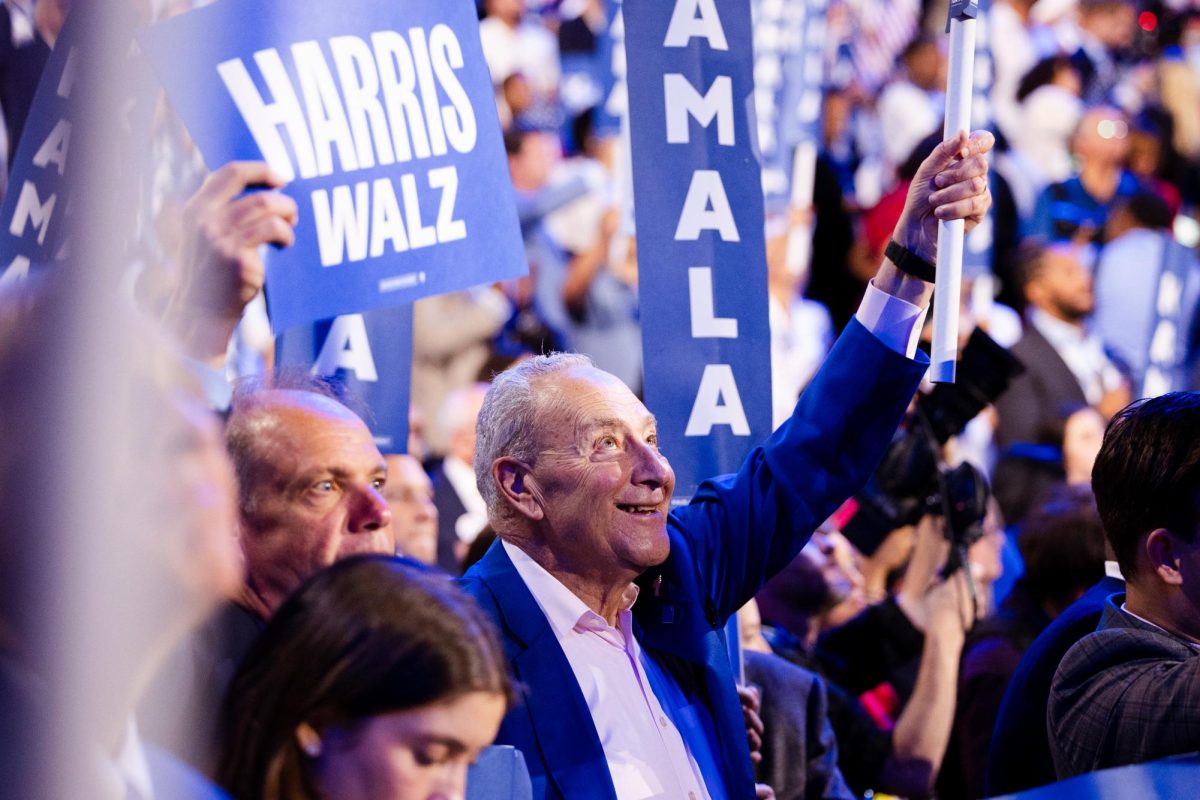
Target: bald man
pixel 310 487
pixel 310 492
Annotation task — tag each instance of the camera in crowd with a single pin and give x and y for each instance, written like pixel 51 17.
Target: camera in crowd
pixel 912 480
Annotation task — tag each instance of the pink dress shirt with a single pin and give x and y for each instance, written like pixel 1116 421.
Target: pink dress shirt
pixel 646 756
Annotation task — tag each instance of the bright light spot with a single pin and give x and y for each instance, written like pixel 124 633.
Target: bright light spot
pixel 1187 231
pixel 1147 20
pixel 1112 129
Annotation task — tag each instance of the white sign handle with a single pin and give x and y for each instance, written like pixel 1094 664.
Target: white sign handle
pixel 948 287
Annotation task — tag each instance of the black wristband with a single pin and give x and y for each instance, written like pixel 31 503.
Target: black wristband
pixel 909 262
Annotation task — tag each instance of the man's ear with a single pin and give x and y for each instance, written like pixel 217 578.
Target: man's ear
pixel 1163 555
pixel 516 487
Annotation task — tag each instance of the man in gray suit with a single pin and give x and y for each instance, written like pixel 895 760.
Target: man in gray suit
pixel 1128 692
pixel 1066 369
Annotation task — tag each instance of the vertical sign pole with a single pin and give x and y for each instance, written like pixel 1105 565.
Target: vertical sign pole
pixel 961 26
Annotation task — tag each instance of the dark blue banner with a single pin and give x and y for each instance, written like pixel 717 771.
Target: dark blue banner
pixel 382 118
pixel 372 354
pixel 1166 357
pixel 596 79
pixel 699 211
pixel 37 203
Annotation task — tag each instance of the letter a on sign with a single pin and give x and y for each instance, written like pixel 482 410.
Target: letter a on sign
pixel 716 385
pixel 347 347
pixel 695 18
pixel 706 208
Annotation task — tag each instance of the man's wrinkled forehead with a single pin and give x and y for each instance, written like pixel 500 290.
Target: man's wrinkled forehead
pixel 283 422
pixel 283 401
pixel 578 397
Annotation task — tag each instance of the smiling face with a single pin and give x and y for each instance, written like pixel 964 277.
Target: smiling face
pixel 316 494
pixel 421 754
pixel 601 489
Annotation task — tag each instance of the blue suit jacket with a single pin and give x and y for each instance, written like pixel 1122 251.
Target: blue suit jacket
pixel 737 531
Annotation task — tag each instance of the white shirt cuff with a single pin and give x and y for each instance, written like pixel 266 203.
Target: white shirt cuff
pixel 895 322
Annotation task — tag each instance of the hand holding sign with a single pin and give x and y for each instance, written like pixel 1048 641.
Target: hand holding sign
pixel 221 265
pixel 951 183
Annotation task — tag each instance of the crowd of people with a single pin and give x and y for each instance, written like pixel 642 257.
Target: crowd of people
pixel 514 607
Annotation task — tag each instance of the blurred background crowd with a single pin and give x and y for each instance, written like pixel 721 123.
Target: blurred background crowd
pixel 1090 282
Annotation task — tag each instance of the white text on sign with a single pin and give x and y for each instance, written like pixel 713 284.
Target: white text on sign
pixel 388 99
pixel 705 208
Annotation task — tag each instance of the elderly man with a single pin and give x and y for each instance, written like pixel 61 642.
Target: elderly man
pixel 1083 201
pixel 1128 692
pixel 638 701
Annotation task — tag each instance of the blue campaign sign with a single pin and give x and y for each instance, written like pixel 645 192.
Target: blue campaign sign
pixel 610 51
pixel 788 78
pixel 372 354
pixel 698 206
pixel 597 79
pixel 382 118
pixel 36 210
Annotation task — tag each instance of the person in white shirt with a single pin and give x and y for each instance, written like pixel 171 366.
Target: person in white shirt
pixel 1013 54
pixel 462 514
pixel 514 43
pixel 92 608
pixel 910 108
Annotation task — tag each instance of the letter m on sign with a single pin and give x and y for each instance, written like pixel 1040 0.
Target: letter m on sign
pixel 32 211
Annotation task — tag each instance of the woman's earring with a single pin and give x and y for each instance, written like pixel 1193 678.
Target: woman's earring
pixel 309 740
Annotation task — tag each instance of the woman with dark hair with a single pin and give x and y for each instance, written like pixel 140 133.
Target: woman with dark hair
pixel 374 680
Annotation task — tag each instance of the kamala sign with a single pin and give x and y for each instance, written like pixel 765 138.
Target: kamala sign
pixel 699 210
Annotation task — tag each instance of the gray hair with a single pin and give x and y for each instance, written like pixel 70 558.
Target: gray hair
pixel 507 424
